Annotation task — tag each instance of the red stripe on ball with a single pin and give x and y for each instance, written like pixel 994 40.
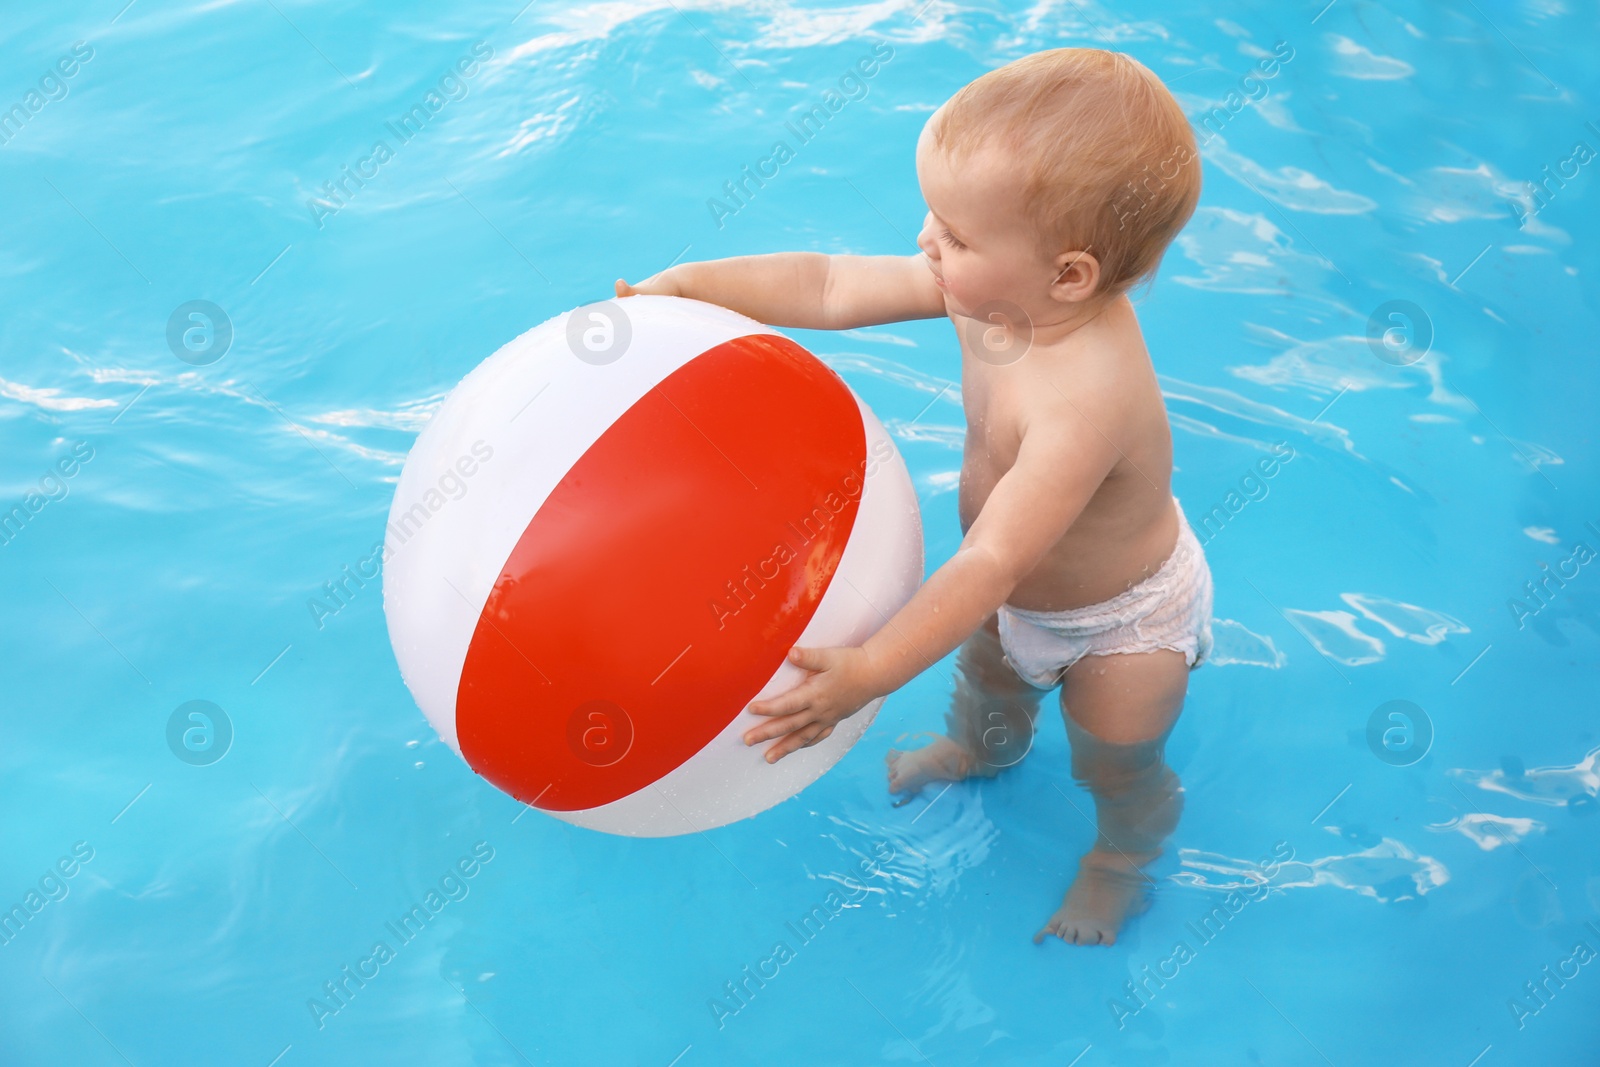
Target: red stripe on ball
pixel 577 689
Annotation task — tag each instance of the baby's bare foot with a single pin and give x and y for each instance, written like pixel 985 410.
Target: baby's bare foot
pixel 1108 890
pixel 941 761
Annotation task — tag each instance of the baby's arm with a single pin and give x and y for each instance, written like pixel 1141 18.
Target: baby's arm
pixel 807 290
pixel 1061 462
pixel 1059 465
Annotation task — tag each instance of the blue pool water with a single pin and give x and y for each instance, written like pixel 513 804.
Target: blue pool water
pixel 183 159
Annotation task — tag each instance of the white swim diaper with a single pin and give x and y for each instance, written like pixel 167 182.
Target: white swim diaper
pixel 1169 609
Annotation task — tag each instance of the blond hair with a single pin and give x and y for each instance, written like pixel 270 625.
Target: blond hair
pixel 1106 156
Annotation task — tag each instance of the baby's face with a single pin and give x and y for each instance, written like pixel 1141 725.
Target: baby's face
pixel 975 238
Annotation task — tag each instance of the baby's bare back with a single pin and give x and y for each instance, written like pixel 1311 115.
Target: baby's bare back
pixel 1101 373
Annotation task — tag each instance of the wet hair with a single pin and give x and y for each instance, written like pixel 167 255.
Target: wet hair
pixel 1107 159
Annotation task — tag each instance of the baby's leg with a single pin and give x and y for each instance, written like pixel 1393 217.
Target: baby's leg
pixel 989 725
pixel 1119 710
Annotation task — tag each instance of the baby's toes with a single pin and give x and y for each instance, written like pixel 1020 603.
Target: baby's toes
pixel 897 776
pixel 1089 934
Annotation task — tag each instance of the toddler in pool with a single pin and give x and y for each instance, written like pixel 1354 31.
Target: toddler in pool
pixel 1053 184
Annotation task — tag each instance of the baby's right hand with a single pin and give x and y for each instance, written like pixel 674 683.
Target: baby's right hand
pixel 662 284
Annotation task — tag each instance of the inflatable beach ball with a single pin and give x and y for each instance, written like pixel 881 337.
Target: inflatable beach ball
pixel 607 539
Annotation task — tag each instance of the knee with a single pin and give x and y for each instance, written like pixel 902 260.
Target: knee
pixel 1113 770
pixel 1131 737
pixel 1114 781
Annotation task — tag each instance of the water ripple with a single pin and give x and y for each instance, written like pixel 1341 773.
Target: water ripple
pixel 1568 785
pixel 1387 871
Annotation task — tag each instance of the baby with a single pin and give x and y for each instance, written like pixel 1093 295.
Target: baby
pixel 1053 185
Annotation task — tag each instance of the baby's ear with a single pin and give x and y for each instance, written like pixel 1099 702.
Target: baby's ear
pixel 1079 276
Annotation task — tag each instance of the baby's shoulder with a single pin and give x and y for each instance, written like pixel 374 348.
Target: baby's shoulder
pixel 1102 386
pixel 1099 370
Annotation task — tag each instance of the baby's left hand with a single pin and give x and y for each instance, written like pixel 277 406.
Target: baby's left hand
pixel 842 682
